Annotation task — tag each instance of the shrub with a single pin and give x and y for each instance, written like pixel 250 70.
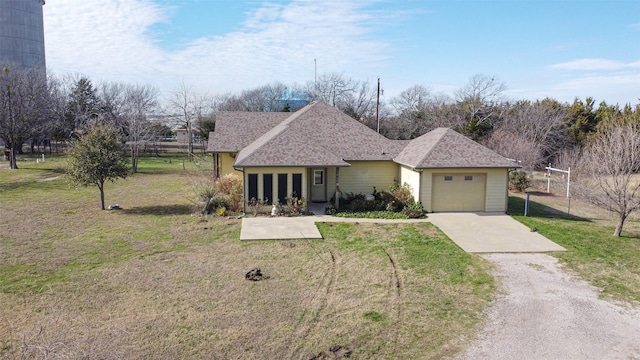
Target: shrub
pixel 402 195
pixel 414 210
pixel 212 196
pixel 373 215
pixel 295 205
pixel 255 205
pixel 330 210
pixel 518 180
pixel 230 185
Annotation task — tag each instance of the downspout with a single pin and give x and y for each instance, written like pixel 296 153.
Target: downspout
pixel 337 199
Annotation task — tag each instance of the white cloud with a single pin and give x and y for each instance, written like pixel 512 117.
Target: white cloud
pixel 595 64
pixel 112 40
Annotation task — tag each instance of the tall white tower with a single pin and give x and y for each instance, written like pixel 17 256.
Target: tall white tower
pixel 22 34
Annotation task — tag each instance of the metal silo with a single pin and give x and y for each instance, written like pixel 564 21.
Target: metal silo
pixel 22 34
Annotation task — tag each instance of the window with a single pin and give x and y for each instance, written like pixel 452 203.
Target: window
pixel 448 178
pixel 297 185
pixel 318 177
pixel 468 178
pixel 253 186
pixel 282 188
pixel 267 181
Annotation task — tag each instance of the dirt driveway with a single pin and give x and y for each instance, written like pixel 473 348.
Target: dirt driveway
pixel 545 313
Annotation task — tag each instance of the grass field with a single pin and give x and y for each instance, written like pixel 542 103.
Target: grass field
pixel 611 264
pixel 152 281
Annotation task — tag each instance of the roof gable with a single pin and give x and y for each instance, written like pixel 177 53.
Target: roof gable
pixel 445 148
pixel 317 135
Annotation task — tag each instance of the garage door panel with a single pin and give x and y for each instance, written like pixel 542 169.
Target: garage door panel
pixel 458 192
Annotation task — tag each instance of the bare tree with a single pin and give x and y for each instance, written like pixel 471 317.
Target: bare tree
pixel 530 132
pixel 360 104
pixel 412 107
pixel 186 104
pixel 139 102
pixel 607 172
pixel 24 99
pixel 479 102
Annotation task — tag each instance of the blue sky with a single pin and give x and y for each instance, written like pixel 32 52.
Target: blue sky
pixel 558 49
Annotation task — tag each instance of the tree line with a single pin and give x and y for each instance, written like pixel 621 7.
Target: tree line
pixel 36 109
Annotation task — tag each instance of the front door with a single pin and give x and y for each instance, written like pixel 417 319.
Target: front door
pixel 318 185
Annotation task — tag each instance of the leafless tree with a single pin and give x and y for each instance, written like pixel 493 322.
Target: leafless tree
pixel 530 132
pixel 186 104
pixel 140 101
pixel 607 172
pixel 479 102
pixel 412 107
pixel 331 88
pixel 24 101
pixel 360 104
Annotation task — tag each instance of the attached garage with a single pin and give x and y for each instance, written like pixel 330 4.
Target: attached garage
pixel 455 173
pixel 458 192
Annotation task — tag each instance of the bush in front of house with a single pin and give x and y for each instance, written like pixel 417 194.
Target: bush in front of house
pixel 397 199
pixel 220 197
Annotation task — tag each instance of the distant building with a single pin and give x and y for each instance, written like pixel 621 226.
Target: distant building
pixel 22 34
pixel 182 136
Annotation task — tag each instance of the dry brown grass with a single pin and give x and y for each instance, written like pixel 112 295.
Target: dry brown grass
pixel 152 281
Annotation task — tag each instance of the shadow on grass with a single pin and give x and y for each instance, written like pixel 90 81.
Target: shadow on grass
pixel 159 210
pixel 536 209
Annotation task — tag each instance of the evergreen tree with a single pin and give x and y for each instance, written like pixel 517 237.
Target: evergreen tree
pixel 98 156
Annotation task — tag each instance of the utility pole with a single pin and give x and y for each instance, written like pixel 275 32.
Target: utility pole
pixel 315 78
pixel 378 106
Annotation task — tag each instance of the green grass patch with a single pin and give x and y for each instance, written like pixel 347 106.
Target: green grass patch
pixel 607 262
pixel 373 316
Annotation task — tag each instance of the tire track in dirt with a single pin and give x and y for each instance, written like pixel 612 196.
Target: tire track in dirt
pixel 311 315
pixel 393 306
pixel 398 289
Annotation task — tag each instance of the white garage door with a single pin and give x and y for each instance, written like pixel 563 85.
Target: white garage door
pixel 458 192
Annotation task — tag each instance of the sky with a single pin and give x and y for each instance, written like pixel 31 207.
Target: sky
pixel 558 49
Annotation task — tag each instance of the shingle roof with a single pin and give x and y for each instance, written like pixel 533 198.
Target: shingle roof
pixel 317 135
pixel 321 135
pixel 445 148
pixel 237 129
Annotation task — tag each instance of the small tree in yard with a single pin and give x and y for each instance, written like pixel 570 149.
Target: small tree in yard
pixel 607 171
pixel 98 156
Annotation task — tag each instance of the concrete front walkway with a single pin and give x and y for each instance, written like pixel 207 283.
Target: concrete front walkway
pixel 299 227
pixel 277 228
pixel 491 233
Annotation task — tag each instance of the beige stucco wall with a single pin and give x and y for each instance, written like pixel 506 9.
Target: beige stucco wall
pixel 496 194
pixel 411 178
pixel 362 176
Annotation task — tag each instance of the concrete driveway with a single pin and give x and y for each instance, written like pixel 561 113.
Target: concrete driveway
pixel 491 233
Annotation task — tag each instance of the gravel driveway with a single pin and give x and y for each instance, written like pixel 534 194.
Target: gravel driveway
pixel 545 313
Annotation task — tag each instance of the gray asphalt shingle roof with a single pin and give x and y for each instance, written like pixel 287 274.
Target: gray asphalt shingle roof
pixel 317 135
pixel 235 130
pixel 445 148
pixel 321 135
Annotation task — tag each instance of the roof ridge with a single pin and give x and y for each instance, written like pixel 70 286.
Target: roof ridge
pixel 431 148
pixel 275 131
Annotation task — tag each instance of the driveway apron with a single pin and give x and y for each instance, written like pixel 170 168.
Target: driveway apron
pixel 491 233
